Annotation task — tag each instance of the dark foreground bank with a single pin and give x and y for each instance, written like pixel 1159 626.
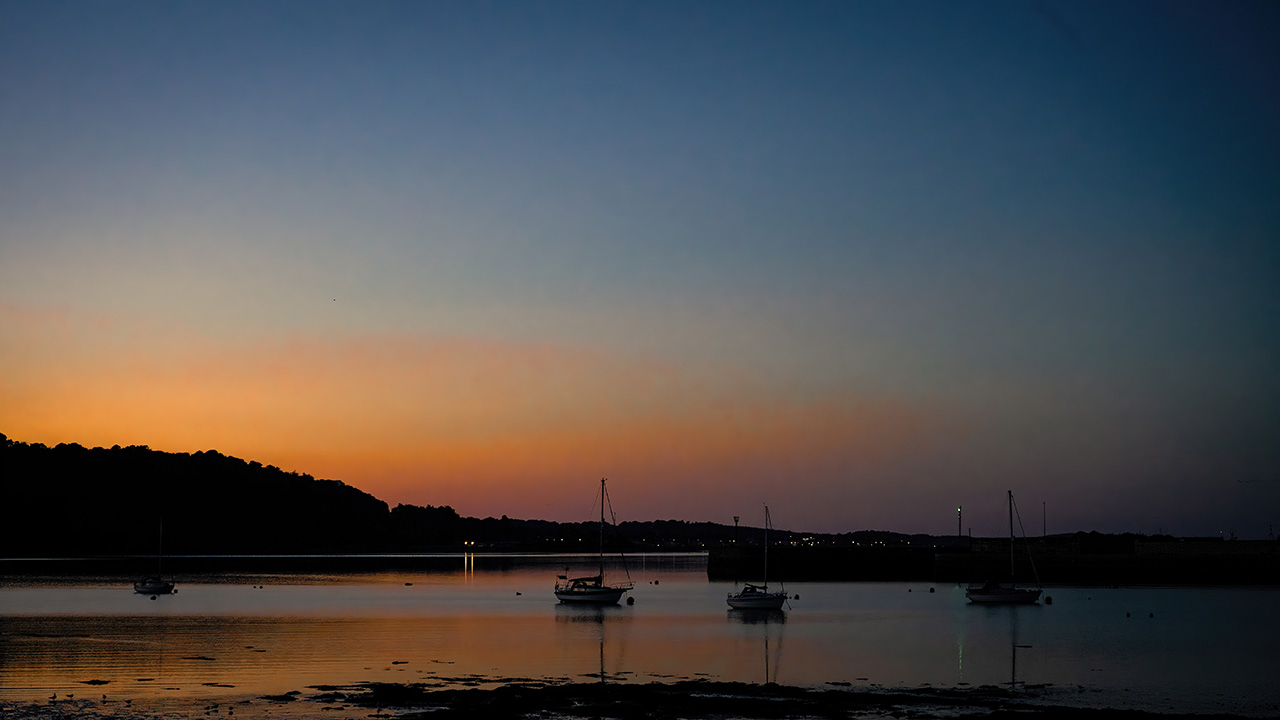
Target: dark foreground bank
pixel 694 700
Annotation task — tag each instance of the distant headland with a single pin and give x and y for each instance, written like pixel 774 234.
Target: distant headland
pixel 70 501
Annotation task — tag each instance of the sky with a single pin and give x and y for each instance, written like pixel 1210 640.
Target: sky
pixel 863 262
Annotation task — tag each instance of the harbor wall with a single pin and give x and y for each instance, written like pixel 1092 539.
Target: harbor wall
pixel 1065 561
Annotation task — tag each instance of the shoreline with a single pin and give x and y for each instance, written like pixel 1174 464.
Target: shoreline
pixel 1061 562
pixel 522 697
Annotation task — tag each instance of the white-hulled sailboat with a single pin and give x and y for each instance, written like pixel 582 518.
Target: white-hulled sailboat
pixel 155 584
pixel 758 597
pixel 1007 592
pixel 592 589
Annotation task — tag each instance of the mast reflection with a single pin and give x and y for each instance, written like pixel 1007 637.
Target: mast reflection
pixel 1014 647
pixel 1013 615
pixel 598 615
pixel 767 620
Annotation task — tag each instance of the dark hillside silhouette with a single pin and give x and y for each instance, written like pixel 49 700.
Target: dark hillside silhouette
pixel 71 500
pixel 75 502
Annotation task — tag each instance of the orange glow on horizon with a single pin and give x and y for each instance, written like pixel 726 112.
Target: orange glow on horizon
pixel 460 422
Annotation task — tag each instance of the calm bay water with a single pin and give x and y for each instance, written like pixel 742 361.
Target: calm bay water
pixel 491 619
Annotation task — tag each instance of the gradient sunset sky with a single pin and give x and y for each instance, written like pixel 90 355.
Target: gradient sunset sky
pixel 861 261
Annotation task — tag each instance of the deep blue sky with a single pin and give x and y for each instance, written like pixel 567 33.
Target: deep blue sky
pixel 884 255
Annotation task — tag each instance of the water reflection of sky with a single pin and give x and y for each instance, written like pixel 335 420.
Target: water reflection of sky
pixel 1187 649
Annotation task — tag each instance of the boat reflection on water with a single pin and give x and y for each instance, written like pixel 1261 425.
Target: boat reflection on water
pixel 1014 647
pixel 771 638
pixel 1013 611
pixel 597 614
pixel 757 617
pixel 601 616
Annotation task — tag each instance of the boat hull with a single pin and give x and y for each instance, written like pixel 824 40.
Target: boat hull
pixel 153 587
pixel 771 601
pixel 593 596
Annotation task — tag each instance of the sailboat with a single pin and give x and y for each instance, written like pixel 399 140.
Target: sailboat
pixel 155 584
pixel 1006 592
pixel 758 597
pixel 592 589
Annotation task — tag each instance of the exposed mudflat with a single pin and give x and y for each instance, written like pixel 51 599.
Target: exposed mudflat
pixel 516 698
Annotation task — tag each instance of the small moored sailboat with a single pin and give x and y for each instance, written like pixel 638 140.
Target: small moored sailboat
pixel 1007 592
pixel 759 597
pixel 592 589
pixel 155 584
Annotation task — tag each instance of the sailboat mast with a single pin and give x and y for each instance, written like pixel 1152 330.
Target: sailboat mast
pixel 766 546
pixel 160 547
pixel 1010 534
pixel 602 501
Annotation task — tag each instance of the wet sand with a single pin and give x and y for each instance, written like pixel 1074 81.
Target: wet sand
pixel 691 699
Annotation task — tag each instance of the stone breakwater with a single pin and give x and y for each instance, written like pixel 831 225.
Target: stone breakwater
pixel 1058 560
